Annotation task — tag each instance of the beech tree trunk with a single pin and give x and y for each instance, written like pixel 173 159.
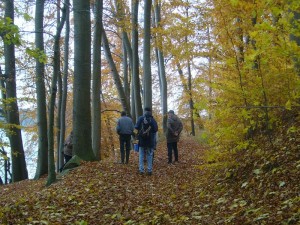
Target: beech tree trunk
pixel 135 62
pixel 19 170
pixel 82 141
pixel 161 67
pixel 42 161
pixel 96 88
pixel 64 87
pixel 147 79
pixel 56 71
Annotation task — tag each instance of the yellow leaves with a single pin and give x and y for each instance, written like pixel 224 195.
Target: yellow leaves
pixel 234 2
pixel 173 196
pixel 288 105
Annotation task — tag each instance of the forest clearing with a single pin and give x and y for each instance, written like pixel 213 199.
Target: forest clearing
pixel 189 192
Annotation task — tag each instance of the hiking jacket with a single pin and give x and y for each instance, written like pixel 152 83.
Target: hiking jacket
pixel 150 141
pixel 174 128
pixel 125 125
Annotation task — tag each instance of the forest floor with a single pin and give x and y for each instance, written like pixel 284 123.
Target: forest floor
pixel 189 192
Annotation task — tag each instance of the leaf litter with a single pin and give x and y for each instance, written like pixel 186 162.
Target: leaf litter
pixel 188 192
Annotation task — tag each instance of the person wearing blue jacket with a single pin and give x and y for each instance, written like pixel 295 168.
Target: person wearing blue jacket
pixel 147 128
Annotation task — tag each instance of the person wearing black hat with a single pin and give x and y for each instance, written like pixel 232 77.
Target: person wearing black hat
pixel 174 128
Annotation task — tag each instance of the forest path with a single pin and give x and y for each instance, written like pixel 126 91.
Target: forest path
pixel 190 192
pixel 110 193
pixel 168 196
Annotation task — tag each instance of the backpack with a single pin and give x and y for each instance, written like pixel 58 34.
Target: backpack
pixel 144 132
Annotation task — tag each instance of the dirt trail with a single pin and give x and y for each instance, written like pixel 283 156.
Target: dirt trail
pixel 109 193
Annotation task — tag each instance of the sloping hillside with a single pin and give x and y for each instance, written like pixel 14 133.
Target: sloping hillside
pixel 190 192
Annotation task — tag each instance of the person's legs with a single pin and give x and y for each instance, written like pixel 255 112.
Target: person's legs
pixel 169 145
pixel 128 147
pixel 122 151
pixel 149 160
pixel 153 156
pixel 141 159
pixel 175 151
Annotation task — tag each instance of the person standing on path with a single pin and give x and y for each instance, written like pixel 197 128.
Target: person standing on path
pixel 147 128
pixel 174 128
pixel 125 128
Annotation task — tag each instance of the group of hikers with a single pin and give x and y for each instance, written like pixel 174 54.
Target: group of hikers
pixel 147 128
pixel 146 136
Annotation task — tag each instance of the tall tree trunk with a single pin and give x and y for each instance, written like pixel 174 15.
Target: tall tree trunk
pixel 96 88
pixel 115 73
pixel 161 66
pixel 4 114
pixel 65 87
pixel 42 163
pixel 19 170
pixel 126 80
pixel 82 141
pixel 187 87
pixel 135 61
pixel 56 71
pixel 191 102
pixel 59 92
pixel 147 79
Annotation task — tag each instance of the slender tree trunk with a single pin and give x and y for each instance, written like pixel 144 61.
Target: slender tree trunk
pixel 135 61
pixel 59 89
pixel 115 73
pixel 147 79
pixel 191 102
pixel 42 163
pixel 4 114
pixel 82 141
pixel 126 81
pixel 19 170
pixel 96 88
pixel 65 86
pixel 56 71
pixel 187 87
pixel 161 66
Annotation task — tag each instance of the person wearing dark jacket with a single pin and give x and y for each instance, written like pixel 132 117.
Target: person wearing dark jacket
pixel 174 128
pixel 147 128
pixel 125 128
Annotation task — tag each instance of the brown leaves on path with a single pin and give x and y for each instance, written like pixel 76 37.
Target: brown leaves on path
pixel 110 193
pixel 253 191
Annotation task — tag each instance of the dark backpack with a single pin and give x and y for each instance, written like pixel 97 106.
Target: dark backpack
pixel 145 128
